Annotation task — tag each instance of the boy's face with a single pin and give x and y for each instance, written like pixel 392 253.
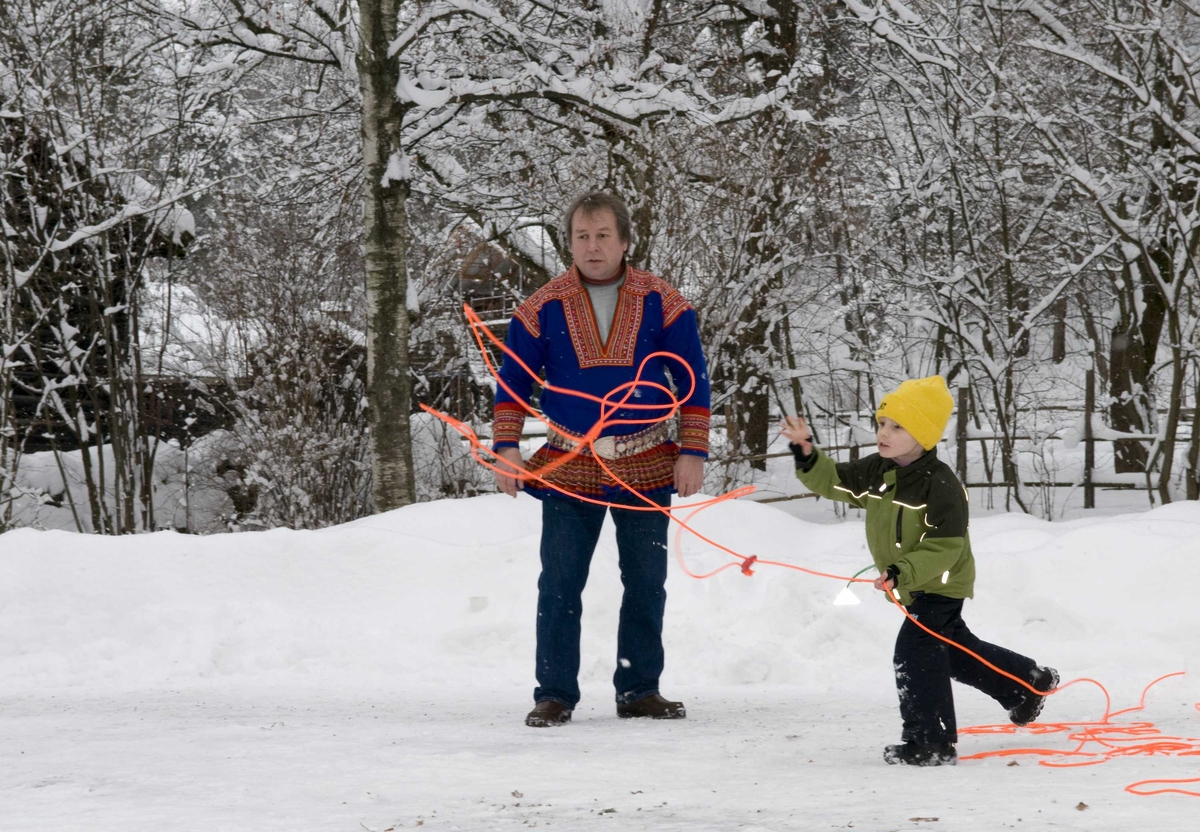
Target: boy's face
pixel 895 442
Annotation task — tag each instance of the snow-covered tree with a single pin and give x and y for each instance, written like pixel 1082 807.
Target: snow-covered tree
pixel 100 137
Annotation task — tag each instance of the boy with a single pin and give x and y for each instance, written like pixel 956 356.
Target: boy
pixel 917 533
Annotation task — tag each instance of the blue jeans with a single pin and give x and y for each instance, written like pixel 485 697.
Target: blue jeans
pixel 570 529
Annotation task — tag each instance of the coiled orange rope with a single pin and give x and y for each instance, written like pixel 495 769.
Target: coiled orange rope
pixel 1095 742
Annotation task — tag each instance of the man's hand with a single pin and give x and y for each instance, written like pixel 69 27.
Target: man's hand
pixel 795 429
pixel 509 458
pixel 884 583
pixel 689 474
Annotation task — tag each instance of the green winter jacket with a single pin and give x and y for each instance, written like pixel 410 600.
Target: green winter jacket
pixel 916 518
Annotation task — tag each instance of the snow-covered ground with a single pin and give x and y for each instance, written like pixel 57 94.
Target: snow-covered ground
pixel 375 676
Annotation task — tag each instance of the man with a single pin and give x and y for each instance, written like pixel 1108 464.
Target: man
pixel 589 330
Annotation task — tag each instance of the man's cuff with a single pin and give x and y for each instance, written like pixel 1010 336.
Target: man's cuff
pixel 693 430
pixel 508 422
pixel 893 572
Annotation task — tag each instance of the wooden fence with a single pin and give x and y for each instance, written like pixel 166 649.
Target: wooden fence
pixel 964 435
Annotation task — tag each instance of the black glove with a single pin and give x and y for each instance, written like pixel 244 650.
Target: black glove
pixel 803 461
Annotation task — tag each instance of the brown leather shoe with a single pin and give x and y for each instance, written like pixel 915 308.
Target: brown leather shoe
pixel 652 707
pixel 547 714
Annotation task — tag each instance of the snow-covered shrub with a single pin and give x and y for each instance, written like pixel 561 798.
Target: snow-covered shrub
pixel 297 455
pixel 442 462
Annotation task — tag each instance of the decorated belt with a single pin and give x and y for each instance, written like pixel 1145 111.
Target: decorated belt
pixel 612 447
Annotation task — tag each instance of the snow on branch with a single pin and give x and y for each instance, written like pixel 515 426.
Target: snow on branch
pixel 570 73
pixel 885 27
pixel 1142 91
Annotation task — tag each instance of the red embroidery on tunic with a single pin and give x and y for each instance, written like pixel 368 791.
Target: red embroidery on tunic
pixel 563 286
pixel 693 428
pixel 508 422
pixel 622 336
pixel 581 319
pixel 652 470
pixel 673 303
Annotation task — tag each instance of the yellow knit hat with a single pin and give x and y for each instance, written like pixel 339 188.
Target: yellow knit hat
pixel 921 406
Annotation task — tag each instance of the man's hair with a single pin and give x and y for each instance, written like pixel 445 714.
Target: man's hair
pixel 594 202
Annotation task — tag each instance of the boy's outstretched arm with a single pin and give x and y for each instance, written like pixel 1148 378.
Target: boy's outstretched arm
pixel 820 474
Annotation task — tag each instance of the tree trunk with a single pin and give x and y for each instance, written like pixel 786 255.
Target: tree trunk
pixel 1059 338
pixel 1126 358
pixel 385 241
pixel 1165 447
pixel 1193 471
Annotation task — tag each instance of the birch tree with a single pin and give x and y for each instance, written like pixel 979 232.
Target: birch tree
pixel 350 41
pixel 385 240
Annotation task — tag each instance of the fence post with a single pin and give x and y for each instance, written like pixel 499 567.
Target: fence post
pixel 960 436
pixel 851 439
pixel 1089 444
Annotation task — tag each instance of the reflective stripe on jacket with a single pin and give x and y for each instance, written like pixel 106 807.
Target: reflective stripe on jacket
pixel 916 518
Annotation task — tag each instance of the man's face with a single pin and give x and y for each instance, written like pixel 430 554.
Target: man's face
pixel 595 244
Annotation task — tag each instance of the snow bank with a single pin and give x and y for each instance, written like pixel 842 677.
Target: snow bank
pixel 447 590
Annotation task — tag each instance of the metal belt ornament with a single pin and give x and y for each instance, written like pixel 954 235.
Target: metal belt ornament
pixel 610 447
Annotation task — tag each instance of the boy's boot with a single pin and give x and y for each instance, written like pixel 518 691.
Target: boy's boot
pixel 921 754
pixel 1044 679
pixel 547 714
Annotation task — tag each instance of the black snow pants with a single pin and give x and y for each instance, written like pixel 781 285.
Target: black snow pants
pixel 925 666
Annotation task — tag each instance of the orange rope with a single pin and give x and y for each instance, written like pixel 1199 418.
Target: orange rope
pixel 1132 788
pixel 1114 740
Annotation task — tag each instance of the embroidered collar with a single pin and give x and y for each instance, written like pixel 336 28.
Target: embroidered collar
pixel 618 350
pixel 568 289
